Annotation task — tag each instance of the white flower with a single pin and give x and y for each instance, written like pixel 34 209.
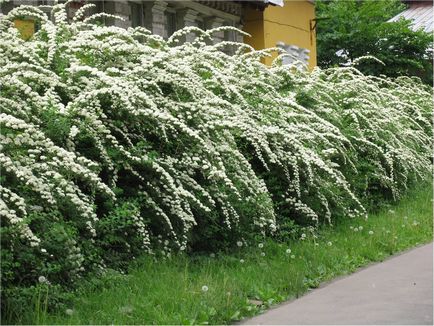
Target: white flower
pixel 292 256
pixel 126 310
pixel 242 261
pixel 212 255
pixel 69 312
pixel 356 229
pixel 261 245
pixel 371 232
pixel 43 250
pixel 329 243
pixel 288 251
pixel 204 288
pixel 73 131
pixel 42 279
pixel 239 243
pixel 263 254
pixel 360 228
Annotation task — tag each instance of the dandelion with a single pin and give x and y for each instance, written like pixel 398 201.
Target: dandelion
pixel 351 227
pixel 239 243
pixel 261 245
pixel 212 255
pixel 391 211
pixel 360 228
pixel 303 236
pixel 44 250
pixel 242 261
pixel 415 223
pixel 405 217
pixel 292 256
pixel 263 254
pixel 42 279
pixel 69 312
pixel 356 229
pixel 288 251
pixel 371 232
pixel 126 310
pixel 329 243
pixel 204 288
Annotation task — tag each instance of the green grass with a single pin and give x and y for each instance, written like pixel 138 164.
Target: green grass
pixel 170 291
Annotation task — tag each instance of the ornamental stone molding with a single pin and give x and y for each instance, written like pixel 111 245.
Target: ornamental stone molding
pixel 229 7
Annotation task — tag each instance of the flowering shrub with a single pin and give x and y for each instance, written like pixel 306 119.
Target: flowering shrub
pixel 116 142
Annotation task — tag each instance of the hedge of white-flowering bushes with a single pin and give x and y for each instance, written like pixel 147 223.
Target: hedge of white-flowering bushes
pixel 116 142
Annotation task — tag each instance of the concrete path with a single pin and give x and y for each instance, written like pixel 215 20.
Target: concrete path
pixel 396 291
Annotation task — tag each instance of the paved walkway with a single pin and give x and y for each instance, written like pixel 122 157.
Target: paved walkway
pixel 396 291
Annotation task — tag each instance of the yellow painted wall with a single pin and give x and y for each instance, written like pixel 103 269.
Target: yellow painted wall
pixel 25 27
pixel 254 25
pixel 289 24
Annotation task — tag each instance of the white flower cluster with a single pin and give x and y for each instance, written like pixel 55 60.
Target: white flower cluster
pixel 191 131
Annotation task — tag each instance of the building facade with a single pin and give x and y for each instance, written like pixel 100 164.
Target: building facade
pixel 271 23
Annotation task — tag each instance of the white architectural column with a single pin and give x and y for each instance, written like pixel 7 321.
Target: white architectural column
pixel 214 22
pixel 155 19
pixel 238 36
pixel 187 17
pixel 122 9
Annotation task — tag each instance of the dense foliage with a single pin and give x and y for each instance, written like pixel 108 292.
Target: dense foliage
pixel 116 143
pixel 350 29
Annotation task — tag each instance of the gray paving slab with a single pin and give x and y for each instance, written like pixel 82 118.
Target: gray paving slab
pixel 398 291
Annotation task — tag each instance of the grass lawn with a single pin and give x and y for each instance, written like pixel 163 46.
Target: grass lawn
pixel 225 288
